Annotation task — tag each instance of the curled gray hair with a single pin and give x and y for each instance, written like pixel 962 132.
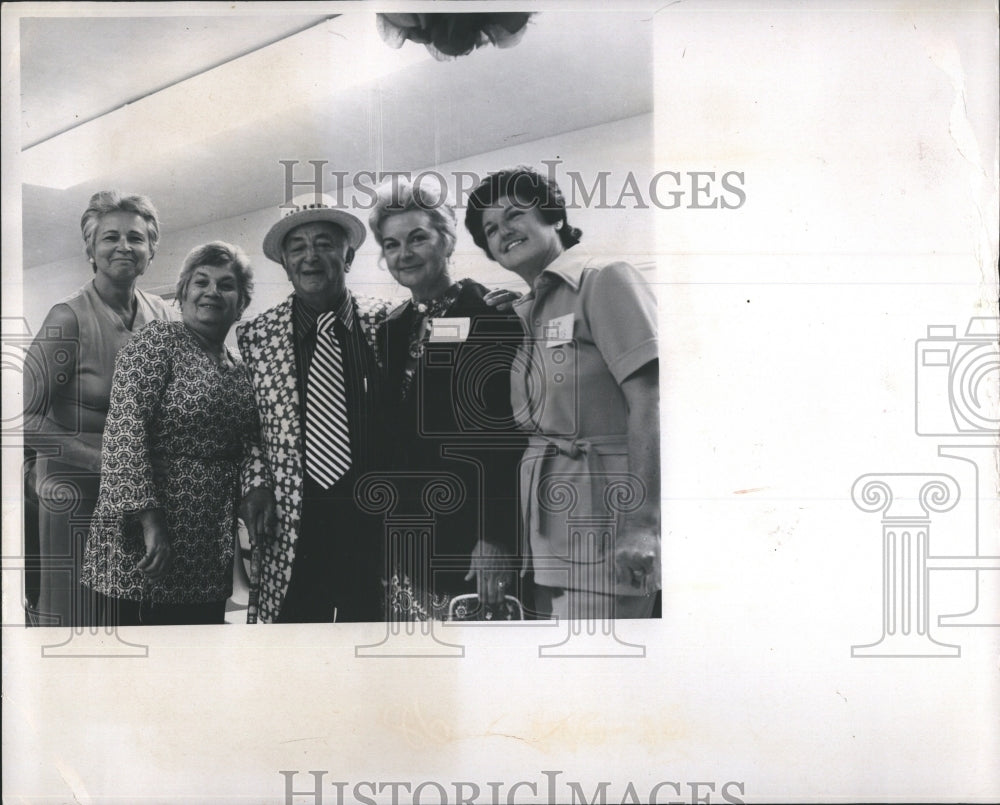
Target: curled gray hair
pixel 400 195
pixel 108 201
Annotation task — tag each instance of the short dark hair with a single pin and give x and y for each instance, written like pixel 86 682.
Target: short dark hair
pixel 222 255
pixel 527 186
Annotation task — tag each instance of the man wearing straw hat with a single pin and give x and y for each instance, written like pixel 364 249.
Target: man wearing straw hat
pixel 313 368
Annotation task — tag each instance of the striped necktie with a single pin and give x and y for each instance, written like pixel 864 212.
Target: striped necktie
pixel 328 442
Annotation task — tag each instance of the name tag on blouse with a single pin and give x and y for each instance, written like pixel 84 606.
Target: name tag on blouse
pixel 558 331
pixel 449 329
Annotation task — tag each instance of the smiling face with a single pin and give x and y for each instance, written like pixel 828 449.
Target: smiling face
pixel 519 239
pixel 416 253
pixel 315 257
pixel 121 249
pixel 212 301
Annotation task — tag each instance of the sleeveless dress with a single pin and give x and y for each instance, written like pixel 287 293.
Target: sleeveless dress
pixel 67 493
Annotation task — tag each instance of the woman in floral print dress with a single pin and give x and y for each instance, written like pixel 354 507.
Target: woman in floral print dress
pixel 182 417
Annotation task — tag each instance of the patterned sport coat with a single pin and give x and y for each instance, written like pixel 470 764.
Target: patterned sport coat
pixel 268 349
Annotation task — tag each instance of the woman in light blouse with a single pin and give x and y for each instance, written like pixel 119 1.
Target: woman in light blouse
pixel 585 390
pixel 67 393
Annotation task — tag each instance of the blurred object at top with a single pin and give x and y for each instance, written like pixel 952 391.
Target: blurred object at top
pixel 448 36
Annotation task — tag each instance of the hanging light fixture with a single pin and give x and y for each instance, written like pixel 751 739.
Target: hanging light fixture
pixel 448 36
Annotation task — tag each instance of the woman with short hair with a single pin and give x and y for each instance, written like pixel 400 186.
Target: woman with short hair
pixel 68 387
pixel 182 418
pixel 586 391
pixel 447 356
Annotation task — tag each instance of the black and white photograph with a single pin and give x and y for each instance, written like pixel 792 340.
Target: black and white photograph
pixel 500 402
pixel 474 429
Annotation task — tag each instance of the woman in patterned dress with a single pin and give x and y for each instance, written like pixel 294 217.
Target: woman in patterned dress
pixel 67 392
pixel 182 418
pixel 446 355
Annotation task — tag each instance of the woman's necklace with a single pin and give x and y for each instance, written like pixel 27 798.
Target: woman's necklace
pixel 430 309
pixel 424 311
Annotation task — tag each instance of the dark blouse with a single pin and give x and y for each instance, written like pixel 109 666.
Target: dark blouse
pixel 453 417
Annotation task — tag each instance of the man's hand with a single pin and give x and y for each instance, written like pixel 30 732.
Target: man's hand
pixel 260 515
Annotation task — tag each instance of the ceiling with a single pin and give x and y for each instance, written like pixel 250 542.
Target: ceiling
pixel 75 69
pixel 197 111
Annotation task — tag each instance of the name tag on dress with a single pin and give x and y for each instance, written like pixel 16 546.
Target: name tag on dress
pixel 558 331
pixel 449 329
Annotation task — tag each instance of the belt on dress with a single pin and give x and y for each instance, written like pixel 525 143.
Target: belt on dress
pixel 584 466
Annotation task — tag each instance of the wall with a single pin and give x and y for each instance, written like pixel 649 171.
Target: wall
pixel 619 147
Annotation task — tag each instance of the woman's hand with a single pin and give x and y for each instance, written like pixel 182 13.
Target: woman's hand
pixel 502 299
pixel 159 555
pixel 637 559
pixel 260 515
pixel 637 550
pixel 489 566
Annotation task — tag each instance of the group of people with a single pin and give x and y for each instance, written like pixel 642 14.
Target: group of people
pixel 540 411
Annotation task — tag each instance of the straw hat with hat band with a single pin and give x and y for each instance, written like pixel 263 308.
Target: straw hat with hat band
pixel 307 209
